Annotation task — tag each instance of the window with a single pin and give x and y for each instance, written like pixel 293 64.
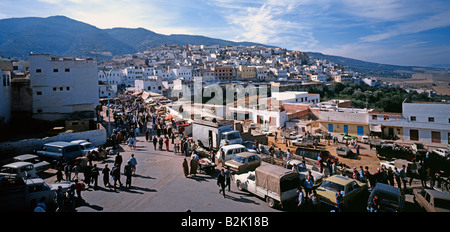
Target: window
pixel 61 88
pixel 386 117
pixel 38 70
pixel 374 117
pixel 67 88
pixel 39 111
pixel 413 118
pixel 67 70
pixel 55 70
pixel 38 93
pixel 54 88
pixel 430 119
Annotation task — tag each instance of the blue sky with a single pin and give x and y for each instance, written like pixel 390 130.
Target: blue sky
pixel 403 32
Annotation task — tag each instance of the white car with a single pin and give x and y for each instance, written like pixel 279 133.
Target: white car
pixel 231 150
pixel 442 152
pixel 85 146
pixel 19 169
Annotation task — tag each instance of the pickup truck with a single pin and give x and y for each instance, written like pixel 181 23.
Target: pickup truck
pixel 18 194
pixel 275 184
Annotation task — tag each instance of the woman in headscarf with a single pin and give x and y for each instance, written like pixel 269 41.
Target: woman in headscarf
pixel 185 168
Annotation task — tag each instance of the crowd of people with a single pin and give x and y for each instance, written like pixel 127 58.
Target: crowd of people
pixel 133 118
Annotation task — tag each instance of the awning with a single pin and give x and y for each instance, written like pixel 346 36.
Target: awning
pixel 375 128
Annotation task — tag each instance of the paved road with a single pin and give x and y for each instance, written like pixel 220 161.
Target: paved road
pixel 160 186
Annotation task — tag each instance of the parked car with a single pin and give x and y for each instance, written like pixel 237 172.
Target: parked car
pixel 418 148
pixel 432 200
pixel 273 183
pixel 314 154
pixel 365 139
pixel 392 199
pixel 233 149
pixel 303 141
pixel 18 194
pixel 60 150
pixel 85 146
pixel 442 152
pixel 344 151
pixel 19 169
pixel 39 164
pixel 294 135
pixel 244 162
pixel 351 189
pixel 88 147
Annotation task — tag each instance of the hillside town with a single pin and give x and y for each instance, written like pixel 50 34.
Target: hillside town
pixel 252 110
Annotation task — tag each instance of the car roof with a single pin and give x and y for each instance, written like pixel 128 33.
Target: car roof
pixel 245 154
pixel 438 194
pixel 17 164
pixel 25 156
pixel 81 141
pixel 59 144
pixel 233 146
pixel 35 181
pixel 387 189
pixel 343 180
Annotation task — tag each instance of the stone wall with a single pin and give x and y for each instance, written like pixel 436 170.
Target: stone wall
pixel 96 137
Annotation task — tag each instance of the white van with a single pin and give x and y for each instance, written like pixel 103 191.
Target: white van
pixel 19 169
pixel 231 150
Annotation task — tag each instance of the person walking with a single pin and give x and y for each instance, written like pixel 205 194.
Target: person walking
pixel 59 175
pixel 115 171
pixel 155 141
pixel 339 200
pixel 403 176
pixel 228 177
pixel 375 204
pixel 166 141
pixel 301 199
pixel 221 182
pixel 105 173
pixel 128 172
pixel 118 160
pixel 75 170
pixel 60 199
pixel 133 162
pixel 160 143
pixel 185 168
pixel 87 175
pixel 68 172
pixel 78 188
pixel 308 186
pixel 94 175
pixel 315 203
pixel 397 177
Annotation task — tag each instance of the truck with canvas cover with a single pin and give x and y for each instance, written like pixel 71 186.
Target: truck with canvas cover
pixel 215 134
pixel 273 183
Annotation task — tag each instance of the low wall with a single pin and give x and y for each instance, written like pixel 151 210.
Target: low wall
pixel 96 137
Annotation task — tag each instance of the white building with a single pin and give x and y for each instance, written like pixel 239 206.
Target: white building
pixel 5 97
pixel 296 97
pixel 131 74
pixel 182 72
pixel 106 91
pixel 111 77
pixel 62 86
pixel 261 72
pixel 426 122
pixel 152 84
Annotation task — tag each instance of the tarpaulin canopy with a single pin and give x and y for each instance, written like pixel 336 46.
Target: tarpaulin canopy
pixel 136 93
pixel 271 177
pixel 375 128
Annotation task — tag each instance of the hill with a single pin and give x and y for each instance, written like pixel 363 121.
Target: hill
pixel 369 68
pixel 62 36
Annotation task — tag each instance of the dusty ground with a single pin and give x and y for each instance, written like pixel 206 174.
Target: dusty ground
pixel 367 157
